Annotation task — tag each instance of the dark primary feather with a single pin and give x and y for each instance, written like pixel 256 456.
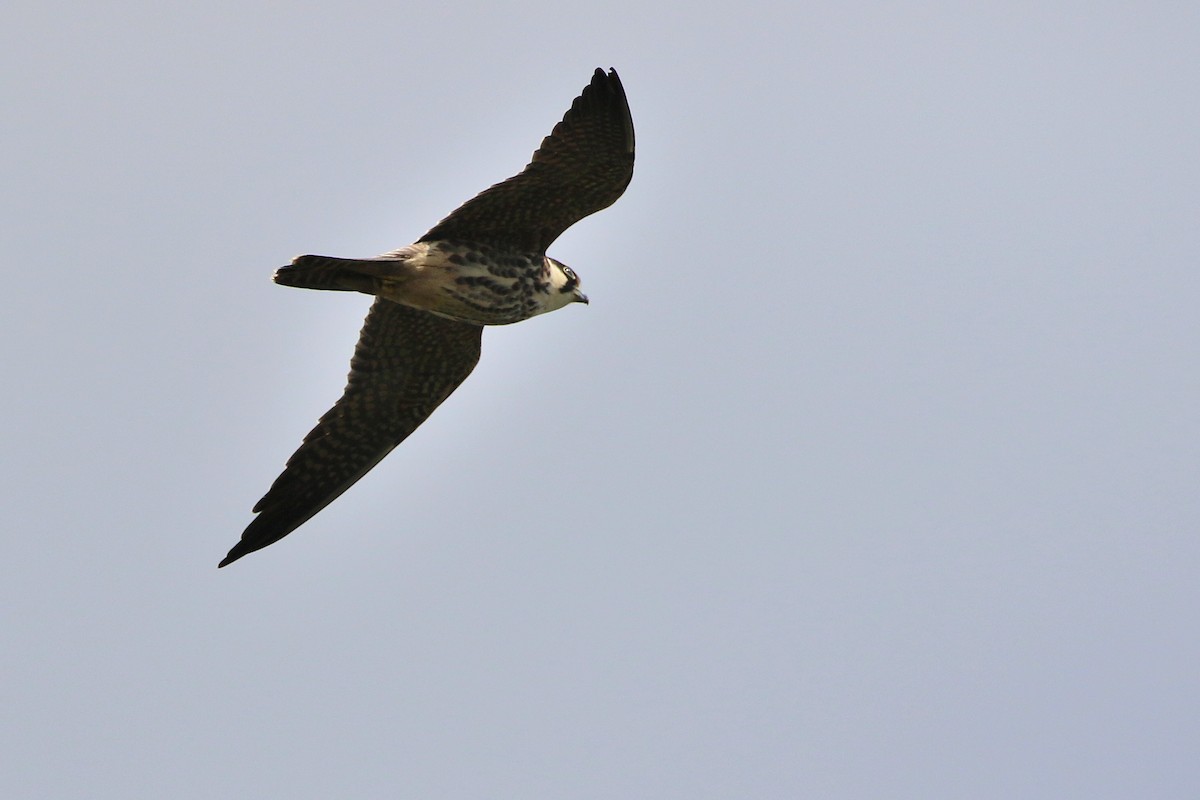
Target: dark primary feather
pixel 583 166
pixel 405 364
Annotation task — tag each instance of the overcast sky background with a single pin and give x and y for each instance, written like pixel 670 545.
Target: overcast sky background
pixel 870 471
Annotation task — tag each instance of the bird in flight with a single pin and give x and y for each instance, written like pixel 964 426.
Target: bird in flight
pixel 485 264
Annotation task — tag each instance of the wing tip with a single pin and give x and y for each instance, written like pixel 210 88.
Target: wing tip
pixel 232 556
pixel 264 530
pixel 608 89
pixel 607 81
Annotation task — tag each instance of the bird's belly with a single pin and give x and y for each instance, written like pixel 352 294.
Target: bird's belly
pixel 467 294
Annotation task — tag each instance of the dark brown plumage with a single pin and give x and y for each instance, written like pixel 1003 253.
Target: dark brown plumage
pixel 409 360
pixel 583 166
pixel 405 364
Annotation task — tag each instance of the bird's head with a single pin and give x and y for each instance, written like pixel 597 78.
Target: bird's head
pixel 564 284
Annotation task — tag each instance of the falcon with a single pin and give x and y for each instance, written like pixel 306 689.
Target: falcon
pixel 485 264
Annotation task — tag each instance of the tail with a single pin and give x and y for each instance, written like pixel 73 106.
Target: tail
pixel 335 274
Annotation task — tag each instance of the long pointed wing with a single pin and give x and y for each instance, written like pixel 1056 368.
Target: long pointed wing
pixel 583 166
pixel 405 364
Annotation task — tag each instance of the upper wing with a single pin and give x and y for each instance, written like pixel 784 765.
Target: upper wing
pixel 406 363
pixel 583 166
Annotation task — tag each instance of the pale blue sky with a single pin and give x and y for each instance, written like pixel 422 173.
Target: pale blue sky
pixel 870 470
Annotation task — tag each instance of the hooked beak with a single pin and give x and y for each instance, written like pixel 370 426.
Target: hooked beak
pixel 580 297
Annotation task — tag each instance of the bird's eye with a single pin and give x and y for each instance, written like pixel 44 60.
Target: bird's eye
pixel 572 280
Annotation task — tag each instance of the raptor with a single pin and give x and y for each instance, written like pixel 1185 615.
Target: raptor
pixel 484 264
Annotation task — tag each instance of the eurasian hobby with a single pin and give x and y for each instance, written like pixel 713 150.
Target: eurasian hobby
pixel 485 264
